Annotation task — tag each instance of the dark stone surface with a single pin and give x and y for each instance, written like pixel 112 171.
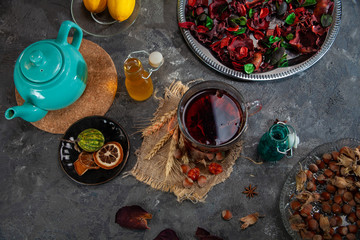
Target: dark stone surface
pixel 39 201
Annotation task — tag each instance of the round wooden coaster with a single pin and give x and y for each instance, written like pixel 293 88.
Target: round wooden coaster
pixel 97 98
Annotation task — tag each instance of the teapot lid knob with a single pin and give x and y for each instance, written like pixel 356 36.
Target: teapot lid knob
pixel 41 62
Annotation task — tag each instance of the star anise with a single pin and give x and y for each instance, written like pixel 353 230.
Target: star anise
pixel 250 191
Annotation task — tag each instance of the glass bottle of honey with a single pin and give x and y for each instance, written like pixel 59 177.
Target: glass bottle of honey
pixel 137 81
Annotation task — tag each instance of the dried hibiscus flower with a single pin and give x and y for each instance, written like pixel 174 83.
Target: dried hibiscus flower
pixel 167 234
pixel 202 234
pixel 133 217
pixel 240 35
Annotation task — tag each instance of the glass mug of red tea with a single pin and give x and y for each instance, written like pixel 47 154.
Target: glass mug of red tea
pixel 212 115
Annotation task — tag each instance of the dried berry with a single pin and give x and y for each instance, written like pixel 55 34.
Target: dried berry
pixel 336 237
pixel 317 236
pixel 313 224
pixel 320 164
pixel 333 166
pixel 316 216
pixel 311 186
pixel 215 168
pixel 347 197
pixel 352 228
pixel 328 173
pixel 336 208
pixel 210 156
pixel 194 173
pixel 220 156
pixel 342 230
pixel 335 155
pixel 346 208
pixel 306 210
pixel 325 196
pixel 313 168
pixel 333 222
pixel 188 182
pixel 350 236
pixel 202 181
pixel 295 205
pixel 178 154
pixel 352 217
pixel 330 188
pixel 326 157
pixel 226 215
pixel 337 199
pixel 326 207
pixel 357 197
pixel 185 168
pixel 133 217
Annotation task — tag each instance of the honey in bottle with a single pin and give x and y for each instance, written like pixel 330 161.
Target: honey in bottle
pixel 137 81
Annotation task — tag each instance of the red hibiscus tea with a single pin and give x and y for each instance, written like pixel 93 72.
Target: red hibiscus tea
pixel 212 117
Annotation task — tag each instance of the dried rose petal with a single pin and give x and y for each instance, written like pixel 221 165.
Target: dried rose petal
pixel 167 234
pixel 202 234
pixel 133 217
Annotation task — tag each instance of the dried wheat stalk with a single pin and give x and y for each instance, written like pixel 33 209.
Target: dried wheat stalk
pixel 160 144
pixel 159 123
pixel 171 159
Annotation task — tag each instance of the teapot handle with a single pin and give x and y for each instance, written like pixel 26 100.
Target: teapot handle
pixel 64 32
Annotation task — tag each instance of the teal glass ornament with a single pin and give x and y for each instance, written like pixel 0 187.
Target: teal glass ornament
pixel 278 142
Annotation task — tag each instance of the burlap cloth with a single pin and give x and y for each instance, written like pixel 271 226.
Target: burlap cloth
pixel 162 171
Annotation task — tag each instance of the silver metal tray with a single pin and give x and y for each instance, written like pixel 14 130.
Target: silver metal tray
pixel 296 63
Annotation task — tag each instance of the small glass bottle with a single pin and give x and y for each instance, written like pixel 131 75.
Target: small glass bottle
pixel 138 82
pixel 278 142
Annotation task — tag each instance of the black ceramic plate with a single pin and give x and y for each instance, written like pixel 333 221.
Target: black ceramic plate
pixel 68 155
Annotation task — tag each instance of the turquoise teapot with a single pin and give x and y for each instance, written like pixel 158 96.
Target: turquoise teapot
pixel 49 75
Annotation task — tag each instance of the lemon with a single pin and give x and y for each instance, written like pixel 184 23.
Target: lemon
pixel 121 9
pixel 95 6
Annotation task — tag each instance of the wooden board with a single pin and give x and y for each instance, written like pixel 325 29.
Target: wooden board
pixel 97 98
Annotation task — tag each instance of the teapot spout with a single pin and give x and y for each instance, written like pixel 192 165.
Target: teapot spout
pixel 27 111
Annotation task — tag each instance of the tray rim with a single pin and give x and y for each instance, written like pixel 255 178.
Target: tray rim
pixel 278 73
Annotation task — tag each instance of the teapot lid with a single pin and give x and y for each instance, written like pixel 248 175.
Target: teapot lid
pixel 41 62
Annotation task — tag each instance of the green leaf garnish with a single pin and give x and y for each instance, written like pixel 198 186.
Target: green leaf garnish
pixel 308 3
pixel 290 36
pixel 326 20
pixel 251 12
pixel 209 23
pixel 290 18
pixel 273 39
pixel 240 31
pixel 249 68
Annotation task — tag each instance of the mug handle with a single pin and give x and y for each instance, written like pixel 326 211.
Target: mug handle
pixel 253 107
pixel 64 32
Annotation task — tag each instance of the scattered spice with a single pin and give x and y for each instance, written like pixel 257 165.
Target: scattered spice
pixel 250 191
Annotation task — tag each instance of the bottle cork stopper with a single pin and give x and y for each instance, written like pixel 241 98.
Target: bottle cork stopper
pixel 156 59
